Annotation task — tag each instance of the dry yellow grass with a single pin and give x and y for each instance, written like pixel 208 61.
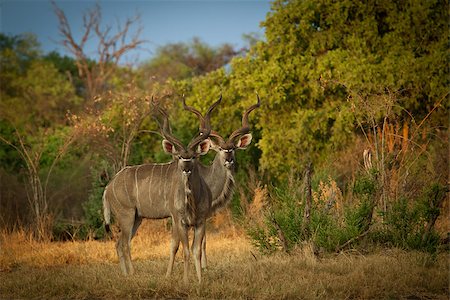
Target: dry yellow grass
pixel 89 270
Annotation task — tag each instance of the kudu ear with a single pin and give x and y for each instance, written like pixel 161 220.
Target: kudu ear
pixel 168 147
pixel 244 141
pixel 203 147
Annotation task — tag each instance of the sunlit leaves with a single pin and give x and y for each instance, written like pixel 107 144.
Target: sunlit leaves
pixel 323 65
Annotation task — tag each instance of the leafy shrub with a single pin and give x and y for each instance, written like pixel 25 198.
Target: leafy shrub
pixel 93 213
pixel 261 239
pixel 93 207
pixel 407 219
pixel 92 226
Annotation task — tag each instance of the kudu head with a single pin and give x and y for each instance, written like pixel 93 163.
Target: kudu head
pixel 239 139
pixel 199 145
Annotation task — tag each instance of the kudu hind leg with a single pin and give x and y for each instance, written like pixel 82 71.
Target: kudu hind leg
pixel 126 223
pixel 137 223
pixel 204 259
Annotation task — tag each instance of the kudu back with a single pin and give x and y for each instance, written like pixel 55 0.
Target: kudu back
pixel 154 191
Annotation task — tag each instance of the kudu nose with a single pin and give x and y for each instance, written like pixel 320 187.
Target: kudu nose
pixel 229 163
pixel 186 166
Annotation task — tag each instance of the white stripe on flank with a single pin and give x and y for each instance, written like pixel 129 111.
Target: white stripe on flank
pixel 150 179
pixel 138 204
pixel 160 185
pixel 114 189
pixel 170 191
pixel 114 183
pixel 126 191
pixel 165 187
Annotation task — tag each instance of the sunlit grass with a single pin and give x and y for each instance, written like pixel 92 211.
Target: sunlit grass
pixel 89 270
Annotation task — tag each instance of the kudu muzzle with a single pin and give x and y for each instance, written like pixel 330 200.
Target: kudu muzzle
pixel 186 165
pixel 228 158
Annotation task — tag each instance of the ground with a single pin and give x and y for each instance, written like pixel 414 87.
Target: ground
pixel 89 270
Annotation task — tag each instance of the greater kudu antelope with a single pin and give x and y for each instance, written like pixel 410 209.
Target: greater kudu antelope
pixel 219 175
pixel 154 191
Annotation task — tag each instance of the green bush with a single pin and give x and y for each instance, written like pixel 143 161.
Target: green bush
pixel 283 216
pixel 92 226
pixel 93 207
pixel 262 240
pixel 330 233
pixel 404 223
pixel 93 213
pixel 407 219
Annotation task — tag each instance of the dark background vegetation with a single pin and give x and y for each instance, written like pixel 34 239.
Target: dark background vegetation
pixel 350 143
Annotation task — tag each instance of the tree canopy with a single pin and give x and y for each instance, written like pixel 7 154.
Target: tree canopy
pixel 317 57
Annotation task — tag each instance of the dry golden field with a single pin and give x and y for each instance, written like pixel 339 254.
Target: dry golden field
pixel 89 270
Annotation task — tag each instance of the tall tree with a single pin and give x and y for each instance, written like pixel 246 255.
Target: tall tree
pixel 111 47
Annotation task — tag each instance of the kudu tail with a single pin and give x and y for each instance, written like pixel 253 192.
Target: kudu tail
pixel 106 213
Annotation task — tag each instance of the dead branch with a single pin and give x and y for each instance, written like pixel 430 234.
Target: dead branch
pixel 110 48
pixel 350 241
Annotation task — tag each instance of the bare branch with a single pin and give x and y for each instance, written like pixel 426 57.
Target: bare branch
pixel 110 48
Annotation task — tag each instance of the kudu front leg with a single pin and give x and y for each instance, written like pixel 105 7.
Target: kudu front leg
pixel 197 243
pixel 204 260
pixel 183 233
pixel 174 244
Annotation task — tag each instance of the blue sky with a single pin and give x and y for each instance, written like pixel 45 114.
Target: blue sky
pixel 214 21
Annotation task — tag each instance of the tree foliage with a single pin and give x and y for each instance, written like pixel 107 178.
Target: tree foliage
pixel 33 108
pixel 316 56
pixel 186 60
